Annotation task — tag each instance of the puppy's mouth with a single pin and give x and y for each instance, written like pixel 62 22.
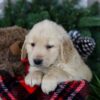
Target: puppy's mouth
pixel 41 67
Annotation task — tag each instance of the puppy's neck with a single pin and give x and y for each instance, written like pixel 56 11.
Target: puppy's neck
pixel 41 69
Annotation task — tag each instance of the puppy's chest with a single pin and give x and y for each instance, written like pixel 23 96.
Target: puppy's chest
pixel 44 70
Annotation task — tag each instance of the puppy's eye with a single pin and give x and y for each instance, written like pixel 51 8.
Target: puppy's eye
pixel 49 46
pixel 32 44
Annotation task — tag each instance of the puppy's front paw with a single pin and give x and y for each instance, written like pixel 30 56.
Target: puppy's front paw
pixel 33 79
pixel 28 79
pixel 49 84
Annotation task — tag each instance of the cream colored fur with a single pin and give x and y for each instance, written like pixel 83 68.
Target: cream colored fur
pixel 60 63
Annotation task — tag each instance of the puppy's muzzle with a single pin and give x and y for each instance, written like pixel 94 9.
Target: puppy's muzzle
pixel 37 61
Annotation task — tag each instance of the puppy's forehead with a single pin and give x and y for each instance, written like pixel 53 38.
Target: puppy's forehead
pixel 43 38
pixel 47 30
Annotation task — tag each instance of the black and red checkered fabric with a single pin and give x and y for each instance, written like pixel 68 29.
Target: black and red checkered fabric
pixel 11 88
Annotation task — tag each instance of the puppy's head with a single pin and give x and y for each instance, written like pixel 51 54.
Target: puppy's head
pixel 46 44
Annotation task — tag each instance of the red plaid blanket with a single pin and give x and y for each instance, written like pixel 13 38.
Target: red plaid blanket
pixel 12 88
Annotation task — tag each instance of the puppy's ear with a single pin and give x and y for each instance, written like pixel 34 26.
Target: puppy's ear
pixel 23 51
pixel 66 50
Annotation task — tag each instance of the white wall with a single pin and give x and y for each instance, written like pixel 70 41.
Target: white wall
pixel 92 1
pixel 86 3
pixel 1 8
pixel 83 3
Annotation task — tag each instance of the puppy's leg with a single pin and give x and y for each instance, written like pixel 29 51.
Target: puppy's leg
pixel 52 79
pixel 33 78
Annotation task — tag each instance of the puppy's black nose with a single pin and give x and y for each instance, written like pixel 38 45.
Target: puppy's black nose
pixel 38 61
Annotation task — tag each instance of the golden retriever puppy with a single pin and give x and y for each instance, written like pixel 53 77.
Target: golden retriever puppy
pixel 52 57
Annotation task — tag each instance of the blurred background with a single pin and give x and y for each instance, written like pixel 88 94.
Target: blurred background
pixel 81 15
